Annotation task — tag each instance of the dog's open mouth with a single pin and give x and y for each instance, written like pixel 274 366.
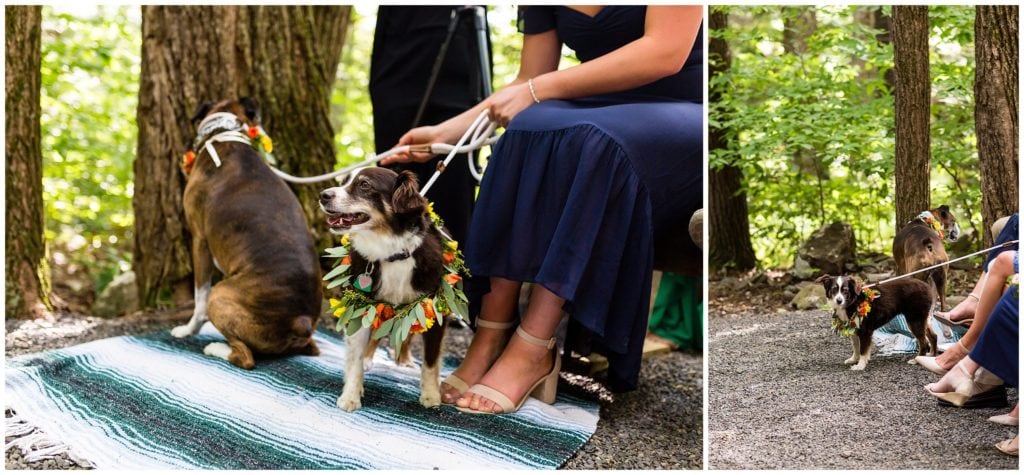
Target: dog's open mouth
pixel 346 220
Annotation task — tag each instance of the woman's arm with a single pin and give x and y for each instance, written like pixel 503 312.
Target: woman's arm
pixel 669 33
pixel 540 54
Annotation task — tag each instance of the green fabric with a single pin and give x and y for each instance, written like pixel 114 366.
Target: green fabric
pixel 678 311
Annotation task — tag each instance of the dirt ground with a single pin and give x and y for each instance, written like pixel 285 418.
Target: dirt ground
pixel 780 397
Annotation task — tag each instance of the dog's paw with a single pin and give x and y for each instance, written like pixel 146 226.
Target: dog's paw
pixel 430 398
pixel 219 350
pixel 409 363
pixel 858 367
pixel 349 403
pixel 181 331
pixel 851 360
pixel 367 364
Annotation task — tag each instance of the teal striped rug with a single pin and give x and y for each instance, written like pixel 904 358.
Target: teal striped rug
pixel 895 337
pixel 157 402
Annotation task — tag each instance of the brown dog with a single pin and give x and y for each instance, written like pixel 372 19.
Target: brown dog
pixel 919 245
pixel 249 225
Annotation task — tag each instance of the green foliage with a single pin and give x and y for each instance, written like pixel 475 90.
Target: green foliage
pixel 90 77
pixel 813 132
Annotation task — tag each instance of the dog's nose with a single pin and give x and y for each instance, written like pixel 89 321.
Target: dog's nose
pixel 326 195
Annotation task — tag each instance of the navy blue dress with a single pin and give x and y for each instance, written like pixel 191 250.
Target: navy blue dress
pixel 576 190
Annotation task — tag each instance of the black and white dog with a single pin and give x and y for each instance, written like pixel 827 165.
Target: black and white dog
pixel 911 297
pixel 393 237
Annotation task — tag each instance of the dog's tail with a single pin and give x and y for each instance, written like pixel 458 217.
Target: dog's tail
pixel 303 326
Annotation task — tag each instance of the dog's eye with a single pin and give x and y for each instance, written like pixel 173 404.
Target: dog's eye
pixel 364 185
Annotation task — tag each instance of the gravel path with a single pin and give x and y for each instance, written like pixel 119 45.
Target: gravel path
pixel 780 397
pixel 666 412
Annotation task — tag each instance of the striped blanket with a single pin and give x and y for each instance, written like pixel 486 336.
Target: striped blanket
pixel 157 402
pixel 895 337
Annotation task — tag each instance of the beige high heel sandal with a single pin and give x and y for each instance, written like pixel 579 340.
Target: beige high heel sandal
pixel 969 386
pixel 457 382
pixel 545 389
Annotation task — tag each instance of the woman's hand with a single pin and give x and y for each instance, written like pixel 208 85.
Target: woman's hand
pixel 425 135
pixel 508 102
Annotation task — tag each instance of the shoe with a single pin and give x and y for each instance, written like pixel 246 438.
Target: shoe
pixel 1010 446
pixel 928 363
pixel 982 389
pixel 1005 419
pixel 943 317
pixel 545 389
pixel 457 382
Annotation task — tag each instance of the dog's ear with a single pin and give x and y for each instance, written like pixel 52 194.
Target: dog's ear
pixel 825 280
pixel 944 211
pixel 854 286
pixel 406 197
pixel 201 112
pixel 251 107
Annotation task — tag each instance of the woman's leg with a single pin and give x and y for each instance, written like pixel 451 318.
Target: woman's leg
pixel 969 306
pixel 998 270
pixel 497 306
pixel 522 364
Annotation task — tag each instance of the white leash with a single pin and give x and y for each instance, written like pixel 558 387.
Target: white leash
pixel 478 135
pixel 1005 244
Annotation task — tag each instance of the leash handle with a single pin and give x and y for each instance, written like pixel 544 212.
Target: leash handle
pixel 1005 244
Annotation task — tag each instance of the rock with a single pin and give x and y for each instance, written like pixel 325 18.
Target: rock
pixel 802 269
pixel 810 296
pixel 830 248
pixel 118 298
pixel 731 283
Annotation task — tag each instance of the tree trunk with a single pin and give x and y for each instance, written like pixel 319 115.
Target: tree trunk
pixel 913 112
pixel 27 286
pixel 728 226
pixel 995 110
pixel 285 57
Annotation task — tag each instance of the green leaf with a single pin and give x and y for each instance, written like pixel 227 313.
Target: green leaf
pixel 368 318
pixel 336 272
pixel 353 327
pixel 421 316
pixel 336 282
pixel 339 251
pixel 449 295
pixel 384 329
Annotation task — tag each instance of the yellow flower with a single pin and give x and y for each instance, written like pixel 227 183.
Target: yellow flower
pixel 334 302
pixel 339 312
pixel 452 245
pixel 344 239
pixel 268 146
pixel 430 211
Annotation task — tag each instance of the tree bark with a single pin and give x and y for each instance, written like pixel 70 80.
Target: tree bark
pixel 995 110
pixel 728 226
pixel 27 287
pixel 285 57
pixel 913 112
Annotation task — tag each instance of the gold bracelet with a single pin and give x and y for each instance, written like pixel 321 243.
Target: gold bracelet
pixel 529 82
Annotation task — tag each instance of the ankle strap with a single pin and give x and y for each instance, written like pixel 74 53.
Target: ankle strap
pixel 550 343
pixel 495 325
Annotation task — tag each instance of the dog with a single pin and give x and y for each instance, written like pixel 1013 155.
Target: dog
pixel 919 244
pixel 391 233
pixel 912 298
pixel 247 224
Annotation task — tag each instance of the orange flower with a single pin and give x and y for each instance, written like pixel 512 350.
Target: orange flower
pixel 346 261
pixel 254 132
pixel 452 279
pixel 385 312
pixel 376 322
pixel 448 257
pixel 190 157
pixel 428 309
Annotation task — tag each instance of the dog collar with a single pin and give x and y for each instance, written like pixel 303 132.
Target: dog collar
pixel 928 218
pixel 226 127
pixel 399 256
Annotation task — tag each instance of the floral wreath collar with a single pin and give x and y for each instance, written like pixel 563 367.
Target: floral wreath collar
pixel 225 127
pixel 848 327
pixel 928 218
pixel 356 309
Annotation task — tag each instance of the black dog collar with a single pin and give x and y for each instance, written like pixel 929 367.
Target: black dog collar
pixel 400 256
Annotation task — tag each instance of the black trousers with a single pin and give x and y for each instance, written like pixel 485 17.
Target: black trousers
pixel 405 46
